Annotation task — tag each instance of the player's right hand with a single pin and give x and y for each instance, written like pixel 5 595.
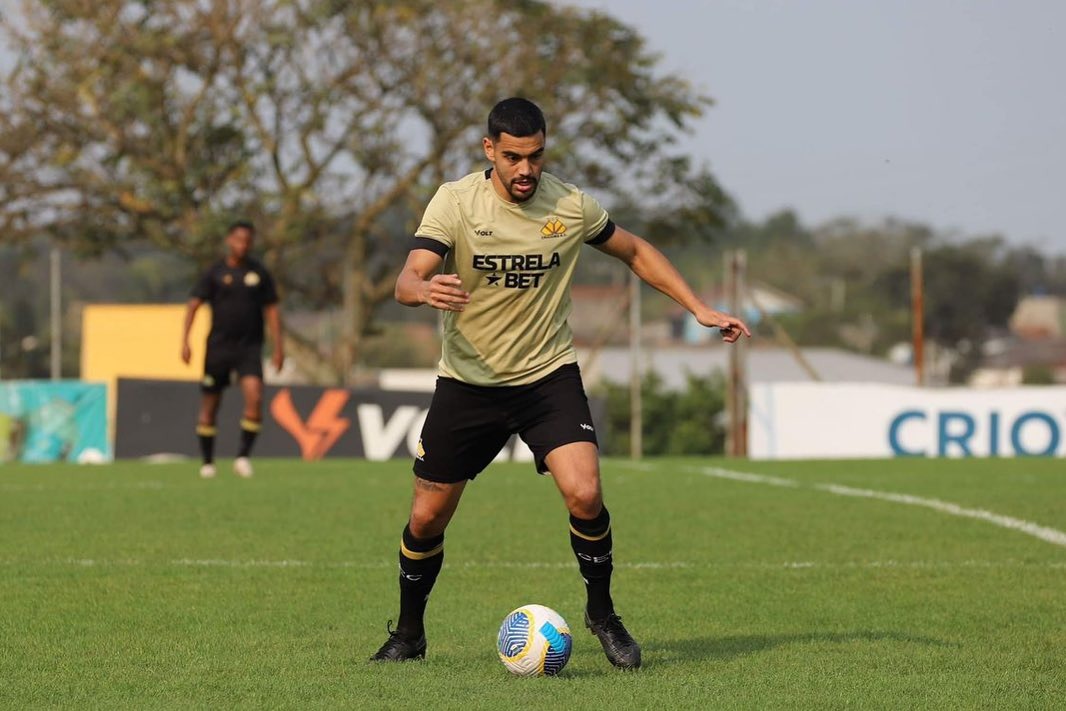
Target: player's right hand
pixel 444 292
pixel 186 354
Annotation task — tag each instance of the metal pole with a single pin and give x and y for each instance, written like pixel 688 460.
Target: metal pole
pixel 918 315
pixel 57 315
pixel 636 406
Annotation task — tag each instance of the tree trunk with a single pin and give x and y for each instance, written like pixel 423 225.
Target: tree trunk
pixel 353 318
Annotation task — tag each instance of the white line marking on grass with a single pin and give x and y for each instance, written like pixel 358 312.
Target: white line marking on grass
pixel 221 563
pixel 1044 533
pixel 555 565
pixel 152 485
pixel 218 563
pixel 750 478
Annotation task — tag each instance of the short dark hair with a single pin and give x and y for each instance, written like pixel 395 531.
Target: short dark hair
pixel 240 225
pixel 516 116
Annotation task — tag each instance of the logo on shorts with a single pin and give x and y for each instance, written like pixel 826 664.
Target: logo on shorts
pixel 587 427
pixel 251 279
pixel 420 452
pixel 227 279
pixel 553 228
pixel 209 381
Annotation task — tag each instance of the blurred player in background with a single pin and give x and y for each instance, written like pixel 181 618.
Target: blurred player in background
pixel 508 239
pixel 242 295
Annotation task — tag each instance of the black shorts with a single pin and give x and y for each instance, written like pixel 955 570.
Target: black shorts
pixel 468 425
pixel 222 361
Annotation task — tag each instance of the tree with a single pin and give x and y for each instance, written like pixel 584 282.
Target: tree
pixel 684 422
pixel 326 122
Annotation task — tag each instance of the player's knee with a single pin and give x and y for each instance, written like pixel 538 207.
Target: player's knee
pixel 427 522
pixel 585 502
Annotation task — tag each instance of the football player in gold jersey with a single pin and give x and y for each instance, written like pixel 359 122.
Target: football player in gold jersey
pixel 496 253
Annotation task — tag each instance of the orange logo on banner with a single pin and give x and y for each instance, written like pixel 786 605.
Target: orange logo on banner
pixel 322 429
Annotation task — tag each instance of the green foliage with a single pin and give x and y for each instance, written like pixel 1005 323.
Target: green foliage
pixel 327 123
pixel 687 421
pixel 855 285
pixel 1038 375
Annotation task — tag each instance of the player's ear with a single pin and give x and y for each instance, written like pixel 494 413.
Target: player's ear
pixel 490 152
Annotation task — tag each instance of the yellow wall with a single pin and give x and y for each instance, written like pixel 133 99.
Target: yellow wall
pixel 139 341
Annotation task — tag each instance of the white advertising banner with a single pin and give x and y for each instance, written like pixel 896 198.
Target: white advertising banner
pixel 854 420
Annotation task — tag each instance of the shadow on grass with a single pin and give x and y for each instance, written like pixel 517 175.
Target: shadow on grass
pixel 730 647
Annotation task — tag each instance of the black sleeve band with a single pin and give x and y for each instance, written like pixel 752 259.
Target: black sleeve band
pixel 438 248
pixel 604 235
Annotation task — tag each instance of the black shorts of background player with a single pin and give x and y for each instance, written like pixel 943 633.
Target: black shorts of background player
pixel 242 296
pixel 496 251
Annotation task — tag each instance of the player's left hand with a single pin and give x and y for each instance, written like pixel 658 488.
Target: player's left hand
pixel 278 359
pixel 731 327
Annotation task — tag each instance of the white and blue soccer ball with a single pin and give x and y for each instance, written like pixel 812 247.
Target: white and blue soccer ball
pixel 534 641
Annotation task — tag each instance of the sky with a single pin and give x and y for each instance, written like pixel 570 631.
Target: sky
pixel 946 112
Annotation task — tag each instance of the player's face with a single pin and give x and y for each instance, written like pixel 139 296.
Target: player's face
pixel 239 243
pixel 517 164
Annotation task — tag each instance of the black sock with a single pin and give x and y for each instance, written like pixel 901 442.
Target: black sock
pixel 206 435
pixel 249 431
pixel 592 542
pixel 420 563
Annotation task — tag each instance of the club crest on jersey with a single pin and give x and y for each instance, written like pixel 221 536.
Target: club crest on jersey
pixel 227 279
pixel 251 279
pixel 553 228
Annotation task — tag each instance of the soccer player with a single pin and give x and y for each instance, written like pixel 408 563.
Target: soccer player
pixel 241 293
pixel 508 239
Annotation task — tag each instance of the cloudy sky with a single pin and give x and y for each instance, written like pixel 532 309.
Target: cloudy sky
pixel 949 112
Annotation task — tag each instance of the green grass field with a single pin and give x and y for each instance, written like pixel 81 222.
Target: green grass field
pixel 134 585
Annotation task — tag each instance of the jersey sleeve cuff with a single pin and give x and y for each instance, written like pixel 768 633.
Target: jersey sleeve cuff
pixel 435 246
pixel 604 235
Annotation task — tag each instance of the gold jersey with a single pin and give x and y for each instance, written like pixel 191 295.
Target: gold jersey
pixel 517 261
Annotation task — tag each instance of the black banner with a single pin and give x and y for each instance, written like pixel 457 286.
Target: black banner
pixel 159 417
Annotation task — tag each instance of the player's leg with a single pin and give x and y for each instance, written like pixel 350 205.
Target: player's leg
pixel 575 469
pixel 462 434
pixel 422 548
pixel 421 559
pixel 214 381
pixel 559 430
pixel 250 371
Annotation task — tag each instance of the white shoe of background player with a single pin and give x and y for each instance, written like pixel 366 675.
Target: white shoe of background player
pixel 242 466
pixel 208 471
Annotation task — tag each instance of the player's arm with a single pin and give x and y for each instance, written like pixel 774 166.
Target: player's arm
pixel 655 269
pixel 190 314
pixel 420 283
pixel 273 319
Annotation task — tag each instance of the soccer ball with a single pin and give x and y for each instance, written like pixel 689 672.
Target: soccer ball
pixel 534 641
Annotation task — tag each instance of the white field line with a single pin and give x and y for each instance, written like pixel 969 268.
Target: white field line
pixel 152 485
pixel 748 477
pixel 1044 533
pixel 556 565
